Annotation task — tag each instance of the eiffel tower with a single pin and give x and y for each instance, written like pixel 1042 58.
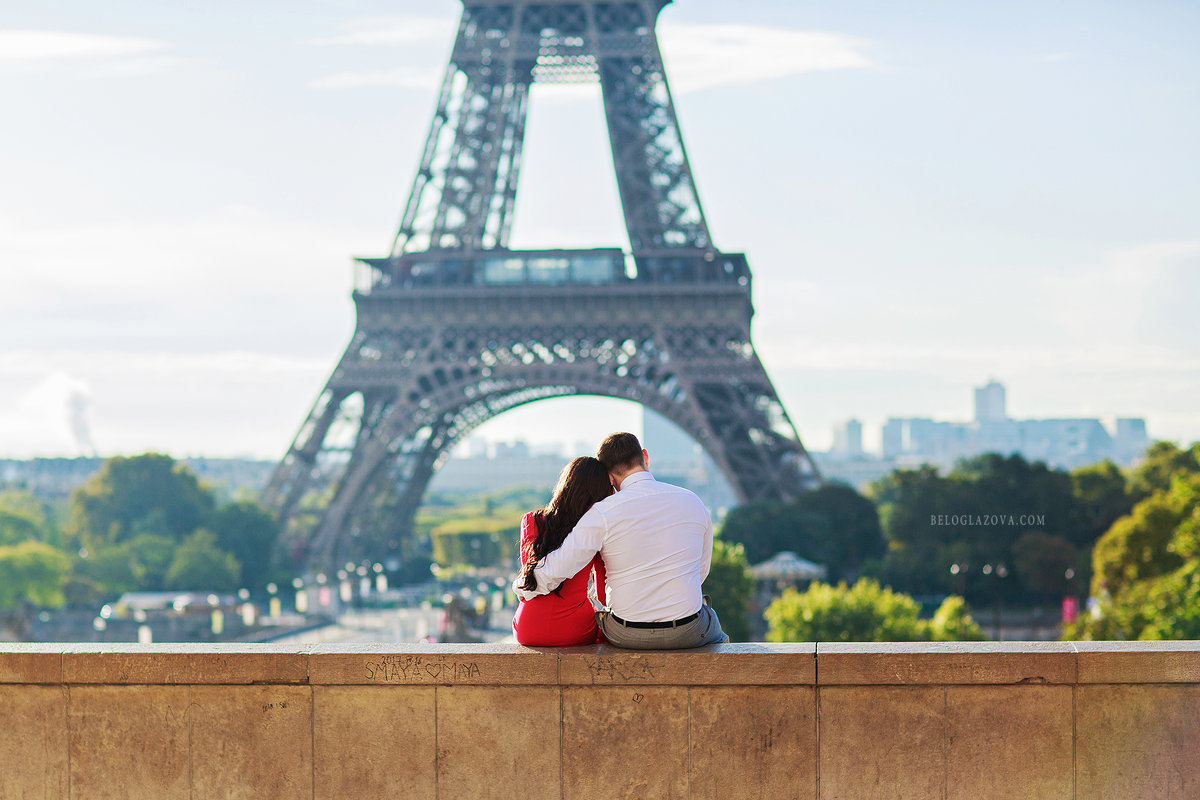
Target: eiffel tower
pixel 454 328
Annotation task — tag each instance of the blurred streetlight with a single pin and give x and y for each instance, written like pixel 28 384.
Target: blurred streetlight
pixel 301 596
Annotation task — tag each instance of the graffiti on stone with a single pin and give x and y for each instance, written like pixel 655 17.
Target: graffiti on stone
pixel 420 669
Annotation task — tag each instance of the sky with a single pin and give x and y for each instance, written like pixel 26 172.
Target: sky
pixel 930 194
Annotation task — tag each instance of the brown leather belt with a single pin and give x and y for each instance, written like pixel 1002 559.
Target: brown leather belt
pixel 672 624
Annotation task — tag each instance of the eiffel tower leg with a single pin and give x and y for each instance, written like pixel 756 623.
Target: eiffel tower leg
pixel 752 439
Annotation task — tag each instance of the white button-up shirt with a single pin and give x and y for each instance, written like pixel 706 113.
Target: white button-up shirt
pixel 656 541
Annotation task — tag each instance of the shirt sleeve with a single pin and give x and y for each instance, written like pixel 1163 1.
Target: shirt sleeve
pixel 600 573
pixel 578 549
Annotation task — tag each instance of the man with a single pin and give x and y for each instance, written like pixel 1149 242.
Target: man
pixel 656 541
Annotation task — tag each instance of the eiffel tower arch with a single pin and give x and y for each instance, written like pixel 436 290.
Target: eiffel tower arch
pixel 454 328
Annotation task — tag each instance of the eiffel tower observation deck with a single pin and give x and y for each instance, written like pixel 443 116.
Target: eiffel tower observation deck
pixel 455 328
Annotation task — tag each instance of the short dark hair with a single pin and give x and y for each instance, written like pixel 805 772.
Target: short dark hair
pixel 620 451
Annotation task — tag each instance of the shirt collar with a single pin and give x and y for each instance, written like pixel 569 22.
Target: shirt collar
pixel 636 477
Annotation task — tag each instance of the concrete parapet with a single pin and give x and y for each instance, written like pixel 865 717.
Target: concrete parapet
pixel 979 720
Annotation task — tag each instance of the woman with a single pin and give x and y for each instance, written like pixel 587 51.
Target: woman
pixel 566 616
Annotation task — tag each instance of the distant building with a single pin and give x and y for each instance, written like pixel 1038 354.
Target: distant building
pixel 1131 439
pixel 516 450
pixel 56 478
pixel 511 465
pixel 989 403
pixel 856 472
pixel 847 439
pixel 1061 443
pixel 911 441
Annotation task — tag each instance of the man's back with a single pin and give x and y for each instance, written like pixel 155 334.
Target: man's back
pixel 657 548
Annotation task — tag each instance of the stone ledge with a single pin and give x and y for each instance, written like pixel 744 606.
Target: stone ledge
pixel 945 663
pixel 1139 662
pixel 31 663
pixel 751 664
pixel 754 664
pixel 115 664
pixel 432 664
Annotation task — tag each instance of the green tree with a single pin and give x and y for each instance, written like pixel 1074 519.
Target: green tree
pixel 975 515
pixel 854 531
pixel 149 493
pixel 248 531
pixel 730 586
pixel 1102 497
pixel 1162 462
pixel 139 564
pixel 474 541
pixel 952 622
pixel 31 574
pixel 1147 570
pixel 765 528
pixel 864 612
pixel 16 527
pixel 200 564
pixel 110 569
pixel 917 558
pixel 1041 561
pixel 1137 546
pixel 22 503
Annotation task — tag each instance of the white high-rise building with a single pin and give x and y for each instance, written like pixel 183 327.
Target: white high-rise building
pixel 989 403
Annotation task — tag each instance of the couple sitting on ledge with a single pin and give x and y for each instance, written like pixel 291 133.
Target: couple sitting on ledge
pixel 647 544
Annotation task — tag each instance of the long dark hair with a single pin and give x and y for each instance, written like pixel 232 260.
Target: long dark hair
pixel 581 484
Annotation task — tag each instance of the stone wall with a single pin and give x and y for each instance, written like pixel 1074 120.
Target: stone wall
pixel 994 720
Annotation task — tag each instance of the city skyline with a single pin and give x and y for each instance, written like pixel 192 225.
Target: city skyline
pixel 925 203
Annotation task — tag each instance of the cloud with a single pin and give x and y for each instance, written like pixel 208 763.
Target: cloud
pixel 28 45
pixel 422 78
pixel 390 31
pixel 707 56
pixel 49 416
pixel 186 259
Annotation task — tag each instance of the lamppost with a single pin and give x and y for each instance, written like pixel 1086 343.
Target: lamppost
pixel 1070 603
pixel 301 596
pixel 1001 572
pixel 959 569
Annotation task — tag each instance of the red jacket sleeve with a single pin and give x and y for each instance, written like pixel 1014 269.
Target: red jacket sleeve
pixel 528 534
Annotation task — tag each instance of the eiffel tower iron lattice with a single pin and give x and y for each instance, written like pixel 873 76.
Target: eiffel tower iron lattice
pixel 453 328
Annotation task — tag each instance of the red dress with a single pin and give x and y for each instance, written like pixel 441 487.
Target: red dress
pixel 553 621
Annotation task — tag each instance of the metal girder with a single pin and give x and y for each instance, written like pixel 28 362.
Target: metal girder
pixel 426 367
pixel 463 194
pixel 454 328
